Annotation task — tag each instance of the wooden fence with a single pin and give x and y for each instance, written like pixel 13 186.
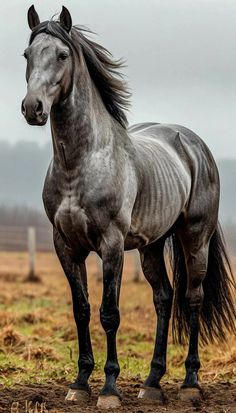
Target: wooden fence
pixel 39 239
pixel 17 238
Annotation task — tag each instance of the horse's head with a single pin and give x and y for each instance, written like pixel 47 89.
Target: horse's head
pixel 49 68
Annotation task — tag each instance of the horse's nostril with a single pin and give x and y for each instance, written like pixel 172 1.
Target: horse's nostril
pixel 39 108
pixel 23 110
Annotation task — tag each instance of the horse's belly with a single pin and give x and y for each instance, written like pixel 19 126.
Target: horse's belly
pixel 154 214
pixel 144 233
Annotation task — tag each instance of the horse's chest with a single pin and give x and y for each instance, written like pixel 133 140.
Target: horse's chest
pixel 72 221
pixel 70 213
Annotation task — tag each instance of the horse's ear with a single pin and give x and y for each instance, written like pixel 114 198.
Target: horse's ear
pixel 65 19
pixel 33 18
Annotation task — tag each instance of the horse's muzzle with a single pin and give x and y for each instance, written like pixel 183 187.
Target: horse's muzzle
pixel 33 112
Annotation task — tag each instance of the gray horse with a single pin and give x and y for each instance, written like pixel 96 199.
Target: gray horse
pixel 111 188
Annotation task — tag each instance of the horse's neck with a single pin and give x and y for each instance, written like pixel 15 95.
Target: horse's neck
pixel 80 125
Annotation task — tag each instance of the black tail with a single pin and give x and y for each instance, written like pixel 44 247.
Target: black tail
pixel 218 313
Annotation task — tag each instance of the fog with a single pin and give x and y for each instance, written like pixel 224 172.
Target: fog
pixel 180 56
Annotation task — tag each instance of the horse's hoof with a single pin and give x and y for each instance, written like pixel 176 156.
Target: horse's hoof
pixel 108 402
pixel 189 394
pixel 76 395
pixel 151 393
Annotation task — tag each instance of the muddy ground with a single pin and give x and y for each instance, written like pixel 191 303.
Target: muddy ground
pixel 218 398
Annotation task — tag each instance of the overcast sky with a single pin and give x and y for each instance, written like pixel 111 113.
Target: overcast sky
pixel 181 62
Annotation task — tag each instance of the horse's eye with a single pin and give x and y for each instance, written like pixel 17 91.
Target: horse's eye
pixel 62 56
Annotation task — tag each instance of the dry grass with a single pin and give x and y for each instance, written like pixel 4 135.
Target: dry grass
pixel 38 341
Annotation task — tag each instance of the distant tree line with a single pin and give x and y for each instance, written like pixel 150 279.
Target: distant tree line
pixel 23 168
pixel 22 216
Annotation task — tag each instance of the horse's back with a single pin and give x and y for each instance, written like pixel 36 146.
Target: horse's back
pixel 186 144
pixel 165 132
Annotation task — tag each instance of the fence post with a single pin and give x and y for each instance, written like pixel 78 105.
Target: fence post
pixel 32 250
pixel 137 269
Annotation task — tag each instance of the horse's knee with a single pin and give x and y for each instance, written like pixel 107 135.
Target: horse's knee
pixel 163 302
pixel 82 315
pixel 110 319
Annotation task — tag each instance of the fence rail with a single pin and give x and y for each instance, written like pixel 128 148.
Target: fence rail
pixel 16 238
pixel 39 239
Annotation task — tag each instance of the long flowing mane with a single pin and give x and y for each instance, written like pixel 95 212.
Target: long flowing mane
pixel 104 71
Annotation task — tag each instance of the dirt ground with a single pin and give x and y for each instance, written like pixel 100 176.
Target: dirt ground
pixel 38 345
pixel 218 398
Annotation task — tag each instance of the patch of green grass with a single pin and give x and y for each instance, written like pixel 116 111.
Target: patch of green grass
pixel 27 304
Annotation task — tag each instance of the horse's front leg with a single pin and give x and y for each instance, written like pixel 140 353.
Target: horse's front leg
pixel 75 272
pixel 112 252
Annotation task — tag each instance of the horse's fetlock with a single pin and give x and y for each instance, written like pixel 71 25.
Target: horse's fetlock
pixel 86 363
pixel 112 368
pixel 192 363
pixel 159 366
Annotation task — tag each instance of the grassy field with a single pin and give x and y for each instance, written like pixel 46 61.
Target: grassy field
pixel 38 339
pixel 38 342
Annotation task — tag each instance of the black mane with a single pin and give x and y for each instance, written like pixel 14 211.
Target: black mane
pixel 103 70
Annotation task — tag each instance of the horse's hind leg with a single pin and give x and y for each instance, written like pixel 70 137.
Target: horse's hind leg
pixel 76 275
pixel 153 265
pixel 195 242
